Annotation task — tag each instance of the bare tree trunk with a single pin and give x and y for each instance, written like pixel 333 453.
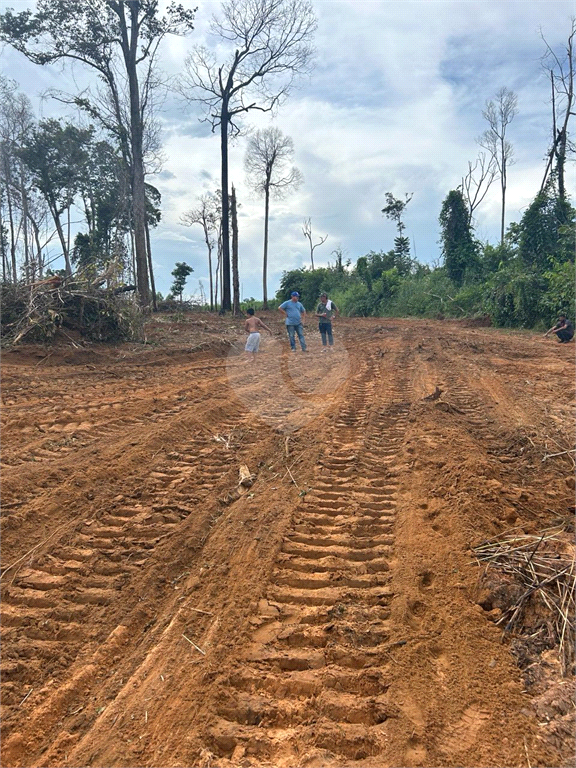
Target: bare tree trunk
pixel 132 248
pixel 36 231
pixel 209 247
pixel 58 223
pixel 5 269
pixel 130 50
pixel 216 281
pixel 211 281
pixel 235 277
pixel 149 254
pixel 265 259
pixel 68 230
pixel 503 185
pixel 12 234
pixel 25 222
pixel 225 271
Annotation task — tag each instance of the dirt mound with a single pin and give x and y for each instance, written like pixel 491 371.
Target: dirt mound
pixel 275 565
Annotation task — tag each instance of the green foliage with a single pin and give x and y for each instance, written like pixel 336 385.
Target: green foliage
pixel 558 298
pixel 180 273
pixel 356 301
pixel 423 295
pixel 513 295
pixel 258 306
pixel 493 257
pixel 310 283
pixel 459 248
pixel 546 230
pixel 56 156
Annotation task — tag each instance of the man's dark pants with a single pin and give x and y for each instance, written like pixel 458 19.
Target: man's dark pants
pixel 564 335
pixel 326 330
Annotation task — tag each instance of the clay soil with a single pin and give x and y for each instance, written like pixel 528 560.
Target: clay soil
pixel 328 610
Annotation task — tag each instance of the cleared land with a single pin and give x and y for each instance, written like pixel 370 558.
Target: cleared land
pixel 329 611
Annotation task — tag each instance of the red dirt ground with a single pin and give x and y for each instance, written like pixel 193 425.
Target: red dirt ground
pixel 156 612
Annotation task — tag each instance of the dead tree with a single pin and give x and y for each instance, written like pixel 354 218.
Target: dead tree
pixel 270 44
pixel 478 181
pixel 307 232
pixel 499 115
pixel 235 276
pixel 267 156
pixel 208 215
pixel 560 69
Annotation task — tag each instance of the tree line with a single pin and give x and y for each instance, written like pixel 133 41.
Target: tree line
pixel 270 46
pixel 51 168
pixel 523 280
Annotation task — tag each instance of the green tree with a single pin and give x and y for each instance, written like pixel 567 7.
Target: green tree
pixel 180 273
pixel 545 231
pixel 104 189
pixel 57 158
pixel 459 248
pixel 119 39
pixel 513 295
pixel 559 296
pixel 394 210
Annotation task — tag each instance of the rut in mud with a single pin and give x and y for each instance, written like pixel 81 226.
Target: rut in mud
pixel 157 612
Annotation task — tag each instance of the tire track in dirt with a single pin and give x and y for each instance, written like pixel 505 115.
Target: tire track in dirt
pixel 59 607
pixel 313 683
pixel 63 425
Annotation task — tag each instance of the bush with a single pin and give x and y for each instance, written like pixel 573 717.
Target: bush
pixel 558 297
pixel 513 296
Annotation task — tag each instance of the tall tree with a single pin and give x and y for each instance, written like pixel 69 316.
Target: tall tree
pixel 104 191
pixel 307 232
pixel 560 69
pixel 270 44
pixel 266 161
pixel 235 274
pixel 119 39
pixel 546 231
pixel 394 210
pixel 499 114
pixel 180 274
pixel 459 248
pixel 56 156
pixel 208 214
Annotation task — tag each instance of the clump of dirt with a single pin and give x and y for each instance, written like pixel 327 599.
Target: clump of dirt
pixel 483 321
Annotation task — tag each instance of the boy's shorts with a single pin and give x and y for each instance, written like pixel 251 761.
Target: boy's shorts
pixel 252 342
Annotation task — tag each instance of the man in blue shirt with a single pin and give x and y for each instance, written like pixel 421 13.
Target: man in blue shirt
pixel 294 313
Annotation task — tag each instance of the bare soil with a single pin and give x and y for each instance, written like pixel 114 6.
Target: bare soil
pixel 328 610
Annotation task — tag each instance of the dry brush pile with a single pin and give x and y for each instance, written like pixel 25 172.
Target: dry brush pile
pixel 40 312
pixel 535 594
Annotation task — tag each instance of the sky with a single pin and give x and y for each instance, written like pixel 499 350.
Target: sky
pixel 394 104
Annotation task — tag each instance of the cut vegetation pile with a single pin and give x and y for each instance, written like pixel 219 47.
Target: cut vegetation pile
pixel 40 312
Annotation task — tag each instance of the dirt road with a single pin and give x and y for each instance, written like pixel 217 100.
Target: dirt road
pixel 328 611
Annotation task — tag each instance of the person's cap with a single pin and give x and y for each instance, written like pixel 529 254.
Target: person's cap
pixel 294 293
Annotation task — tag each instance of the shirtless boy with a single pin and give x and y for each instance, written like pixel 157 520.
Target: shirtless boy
pixel 252 327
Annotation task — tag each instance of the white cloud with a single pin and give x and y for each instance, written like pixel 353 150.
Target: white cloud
pixel 394 104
